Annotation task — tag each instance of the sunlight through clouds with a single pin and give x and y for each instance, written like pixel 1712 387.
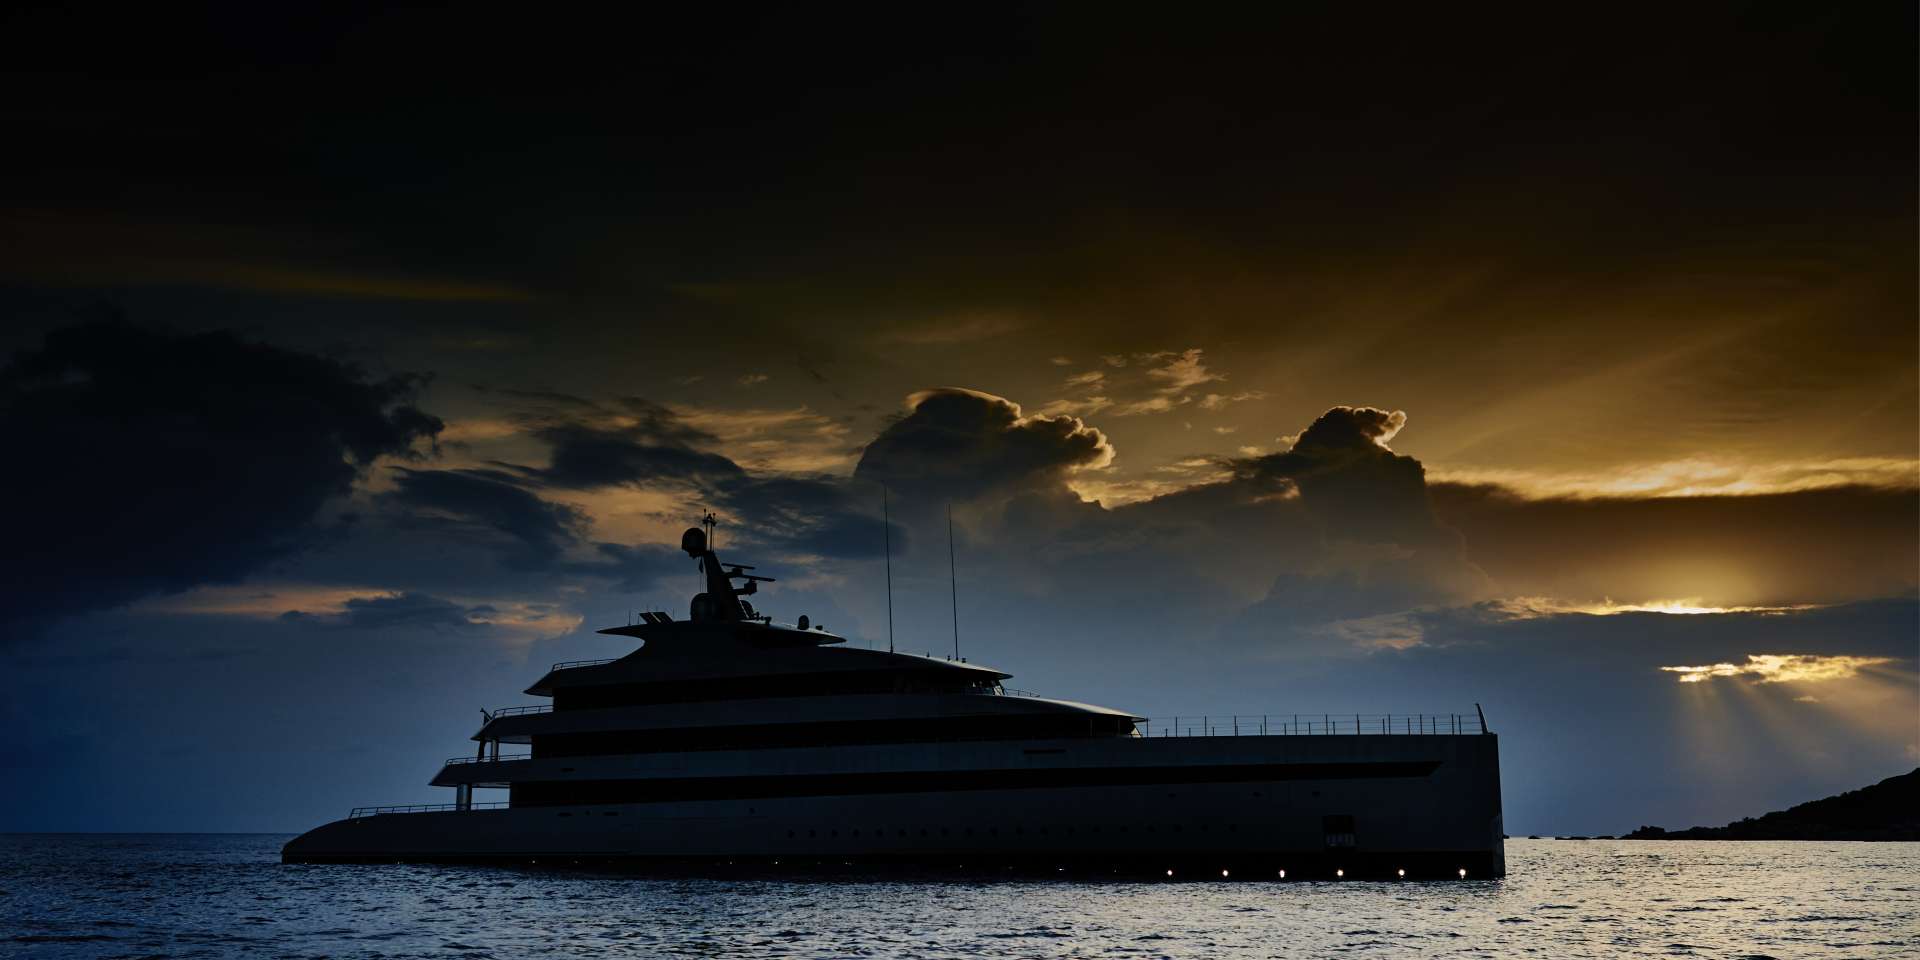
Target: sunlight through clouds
pixel 1782 668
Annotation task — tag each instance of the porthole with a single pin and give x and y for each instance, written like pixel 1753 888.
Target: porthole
pixel 923 831
pixel 811 834
pixel 856 834
pixel 789 834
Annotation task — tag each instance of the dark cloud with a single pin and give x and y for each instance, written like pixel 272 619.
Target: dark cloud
pixel 144 461
pixel 407 611
pixel 586 457
pixel 632 441
pixel 492 507
pixel 1346 475
pixel 958 445
pixel 652 447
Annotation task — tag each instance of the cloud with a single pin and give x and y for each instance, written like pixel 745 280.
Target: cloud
pixel 490 508
pixel 1180 372
pixel 1088 379
pixel 639 445
pixel 752 379
pixel 787 440
pixel 643 443
pixel 1218 401
pixel 959 444
pixel 403 610
pixel 1782 668
pixel 1697 476
pixel 1346 473
pixel 1170 376
pixel 146 461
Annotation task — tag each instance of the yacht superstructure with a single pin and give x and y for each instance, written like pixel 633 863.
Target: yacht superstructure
pixel 729 740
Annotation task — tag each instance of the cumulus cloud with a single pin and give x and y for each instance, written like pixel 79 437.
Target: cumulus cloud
pixel 1350 427
pixel 959 444
pixel 147 461
pixel 1345 473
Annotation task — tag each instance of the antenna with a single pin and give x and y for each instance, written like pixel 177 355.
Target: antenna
pixel 886 533
pixel 953 583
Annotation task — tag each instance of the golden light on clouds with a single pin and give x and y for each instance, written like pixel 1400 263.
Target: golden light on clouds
pixel 1693 477
pixel 1782 668
pixel 1525 608
pixel 514 621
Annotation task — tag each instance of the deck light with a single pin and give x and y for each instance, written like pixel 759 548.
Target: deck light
pixel 1339 873
pixel 1283 874
pixel 1402 872
pixel 1463 873
pixel 1223 873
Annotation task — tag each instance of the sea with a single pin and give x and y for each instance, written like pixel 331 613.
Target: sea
pixel 227 895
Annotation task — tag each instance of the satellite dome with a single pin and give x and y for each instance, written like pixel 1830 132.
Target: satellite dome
pixel 694 541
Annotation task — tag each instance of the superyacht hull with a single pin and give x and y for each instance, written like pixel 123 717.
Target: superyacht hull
pixel 1315 807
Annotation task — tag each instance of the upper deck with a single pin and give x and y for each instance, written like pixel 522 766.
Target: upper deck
pixel 687 654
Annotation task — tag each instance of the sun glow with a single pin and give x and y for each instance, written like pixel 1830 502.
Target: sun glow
pixel 1528 607
pixel 1781 668
pixel 1693 477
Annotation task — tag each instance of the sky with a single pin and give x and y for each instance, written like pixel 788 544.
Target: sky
pixel 1308 361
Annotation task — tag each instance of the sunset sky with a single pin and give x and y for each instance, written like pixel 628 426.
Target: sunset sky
pixel 353 371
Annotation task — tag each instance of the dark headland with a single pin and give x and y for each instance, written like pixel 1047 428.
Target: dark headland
pixel 1888 810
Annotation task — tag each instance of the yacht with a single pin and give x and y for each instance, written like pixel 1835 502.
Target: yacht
pixel 727 741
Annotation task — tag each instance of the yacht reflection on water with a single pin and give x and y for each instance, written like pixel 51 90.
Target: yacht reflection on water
pixel 728 740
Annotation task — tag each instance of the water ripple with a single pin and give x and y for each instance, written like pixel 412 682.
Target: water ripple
pixel 227 896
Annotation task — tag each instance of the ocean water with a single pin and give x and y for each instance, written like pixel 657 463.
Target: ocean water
pixel 183 895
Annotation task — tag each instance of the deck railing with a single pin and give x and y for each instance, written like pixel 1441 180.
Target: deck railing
pixel 521 711
pixel 422 808
pixel 570 664
pixel 454 761
pixel 1314 724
